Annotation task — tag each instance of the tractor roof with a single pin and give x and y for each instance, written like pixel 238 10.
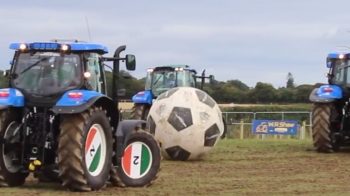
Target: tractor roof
pixel 338 55
pixel 172 67
pixel 56 45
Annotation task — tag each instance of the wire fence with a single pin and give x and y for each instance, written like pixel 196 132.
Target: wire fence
pixel 239 124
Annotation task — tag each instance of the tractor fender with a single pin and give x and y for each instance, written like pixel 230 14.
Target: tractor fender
pixel 143 97
pixel 326 94
pixel 84 100
pixel 124 130
pixel 11 97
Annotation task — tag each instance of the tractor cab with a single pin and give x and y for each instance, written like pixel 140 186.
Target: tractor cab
pixel 339 72
pixel 338 79
pixel 46 70
pixel 161 79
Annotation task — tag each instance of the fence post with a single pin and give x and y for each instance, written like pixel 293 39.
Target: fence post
pixel 241 136
pixel 310 131
pixel 302 130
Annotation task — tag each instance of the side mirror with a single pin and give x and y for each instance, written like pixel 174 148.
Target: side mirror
pixel 211 79
pixel 329 63
pixel 130 62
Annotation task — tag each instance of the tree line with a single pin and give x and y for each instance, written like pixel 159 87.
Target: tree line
pixel 231 91
pixel 235 91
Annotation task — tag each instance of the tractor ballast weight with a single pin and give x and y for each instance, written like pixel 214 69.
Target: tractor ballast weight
pixel 331 111
pixel 55 114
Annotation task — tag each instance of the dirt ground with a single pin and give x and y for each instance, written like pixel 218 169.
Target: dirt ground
pixel 237 167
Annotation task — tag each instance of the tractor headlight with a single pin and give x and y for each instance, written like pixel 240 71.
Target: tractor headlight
pixel 179 69
pixel 87 74
pixel 23 46
pixel 64 47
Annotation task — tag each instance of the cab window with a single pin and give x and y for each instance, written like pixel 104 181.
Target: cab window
pixel 93 67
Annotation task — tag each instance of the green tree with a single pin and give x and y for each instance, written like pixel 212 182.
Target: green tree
pixel 238 84
pixel 125 81
pixel 286 95
pixel 4 82
pixel 303 92
pixel 263 93
pixel 290 80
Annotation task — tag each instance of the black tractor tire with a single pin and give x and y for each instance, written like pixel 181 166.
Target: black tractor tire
pixel 140 111
pixel 85 147
pixel 9 176
pixel 146 164
pixel 321 128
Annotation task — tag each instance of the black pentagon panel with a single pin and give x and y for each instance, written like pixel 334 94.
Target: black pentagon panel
pixel 211 134
pixel 152 125
pixel 178 153
pixel 167 93
pixel 180 118
pixel 205 98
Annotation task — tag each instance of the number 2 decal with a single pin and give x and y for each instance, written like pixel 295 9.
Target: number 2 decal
pixel 136 160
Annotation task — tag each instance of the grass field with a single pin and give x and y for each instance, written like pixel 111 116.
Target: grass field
pixel 237 167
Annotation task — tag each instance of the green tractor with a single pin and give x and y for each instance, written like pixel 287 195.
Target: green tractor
pixel 57 122
pixel 161 79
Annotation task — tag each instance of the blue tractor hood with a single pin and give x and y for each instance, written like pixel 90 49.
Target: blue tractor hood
pixel 143 97
pixel 326 93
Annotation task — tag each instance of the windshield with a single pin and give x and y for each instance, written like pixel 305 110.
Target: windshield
pixel 341 72
pixel 46 73
pixel 186 78
pixel 162 80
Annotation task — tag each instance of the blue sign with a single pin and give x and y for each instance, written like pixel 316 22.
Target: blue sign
pixel 283 127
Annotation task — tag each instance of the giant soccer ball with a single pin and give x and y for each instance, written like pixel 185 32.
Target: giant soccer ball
pixel 187 122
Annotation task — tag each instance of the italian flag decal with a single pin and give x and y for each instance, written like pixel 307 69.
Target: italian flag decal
pixel 137 159
pixel 93 151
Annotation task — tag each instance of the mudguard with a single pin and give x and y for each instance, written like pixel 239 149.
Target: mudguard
pixel 11 97
pixel 77 101
pixel 124 129
pixel 326 93
pixel 143 97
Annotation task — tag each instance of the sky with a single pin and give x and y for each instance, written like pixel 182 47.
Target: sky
pixel 249 40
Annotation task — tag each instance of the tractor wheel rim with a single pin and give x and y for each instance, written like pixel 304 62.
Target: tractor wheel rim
pixel 95 150
pixel 137 160
pixel 10 134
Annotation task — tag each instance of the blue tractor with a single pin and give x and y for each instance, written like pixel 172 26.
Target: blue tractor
pixel 331 112
pixel 57 122
pixel 160 79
